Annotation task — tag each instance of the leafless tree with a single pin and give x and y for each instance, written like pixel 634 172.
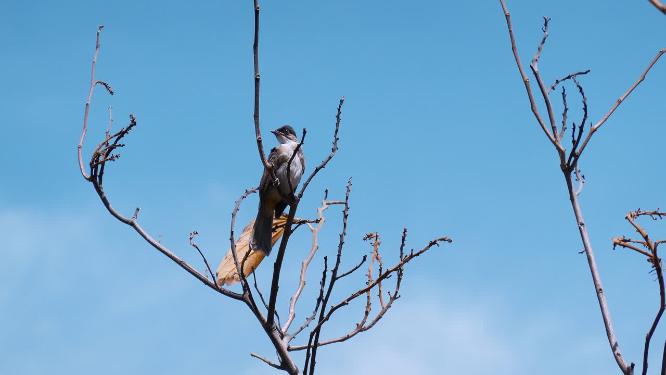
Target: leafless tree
pixel 569 159
pixel 327 303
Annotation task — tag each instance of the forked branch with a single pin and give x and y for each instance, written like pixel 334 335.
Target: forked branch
pixel 569 160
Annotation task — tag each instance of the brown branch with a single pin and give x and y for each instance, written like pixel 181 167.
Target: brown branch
pixel 566 78
pixel 256 287
pixel 526 80
pixel 660 6
pixel 534 66
pixel 619 101
pixel 565 112
pixel 627 244
pixel 397 270
pixel 277 265
pixel 193 234
pixel 314 246
pixel 353 269
pixel 649 249
pixel 568 169
pixel 86 111
pixel 311 356
pixel 334 149
pixel 310 318
pixel 572 161
pixel 286 363
pixel 376 257
pixel 257 85
pixel 266 361
pixel 132 222
pixel 232 241
pixel 102 154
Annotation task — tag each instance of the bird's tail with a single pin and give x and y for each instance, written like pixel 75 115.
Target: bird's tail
pixel 261 238
pixel 248 259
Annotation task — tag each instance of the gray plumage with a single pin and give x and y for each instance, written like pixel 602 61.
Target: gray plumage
pixel 272 200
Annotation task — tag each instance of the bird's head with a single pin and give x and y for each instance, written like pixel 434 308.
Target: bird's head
pixel 285 134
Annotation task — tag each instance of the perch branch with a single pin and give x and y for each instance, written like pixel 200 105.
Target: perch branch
pixel 314 246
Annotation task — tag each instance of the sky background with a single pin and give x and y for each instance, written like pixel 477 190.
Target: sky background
pixel 437 135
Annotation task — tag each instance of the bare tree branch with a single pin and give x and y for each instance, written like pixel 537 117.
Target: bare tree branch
pixel 257 85
pixel 91 90
pixel 306 262
pixel 569 163
pixel 659 5
pixel 649 249
pixel 266 361
pixel 526 80
pixel 193 235
pixel 397 270
pixel 103 153
pixel 619 101
pixel 334 149
pixel 310 318
pixel 566 78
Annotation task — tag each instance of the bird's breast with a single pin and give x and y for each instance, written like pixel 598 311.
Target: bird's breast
pixel 295 171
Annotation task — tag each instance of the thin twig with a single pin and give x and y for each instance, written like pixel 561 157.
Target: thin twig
pixel 232 239
pixel 266 361
pixel 320 297
pixel 257 85
pixel 86 111
pixel 619 101
pixel 526 80
pixel 662 8
pixel 334 149
pixel 315 334
pixel 314 246
pixel 649 250
pixel 394 270
pixel 193 234
pixel 566 78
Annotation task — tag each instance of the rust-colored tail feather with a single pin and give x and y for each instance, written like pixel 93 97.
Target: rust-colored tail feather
pixel 226 271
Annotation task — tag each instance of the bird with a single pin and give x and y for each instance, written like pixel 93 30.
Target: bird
pixel 259 236
pixel 227 273
pixel 274 195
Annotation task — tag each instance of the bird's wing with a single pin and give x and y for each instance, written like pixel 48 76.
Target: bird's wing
pixel 274 159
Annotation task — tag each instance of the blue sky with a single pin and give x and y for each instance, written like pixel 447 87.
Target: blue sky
pixel 437 135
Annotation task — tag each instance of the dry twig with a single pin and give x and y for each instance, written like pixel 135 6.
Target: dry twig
pixel 648 248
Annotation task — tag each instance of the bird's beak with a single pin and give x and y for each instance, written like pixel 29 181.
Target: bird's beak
pixel 275 132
